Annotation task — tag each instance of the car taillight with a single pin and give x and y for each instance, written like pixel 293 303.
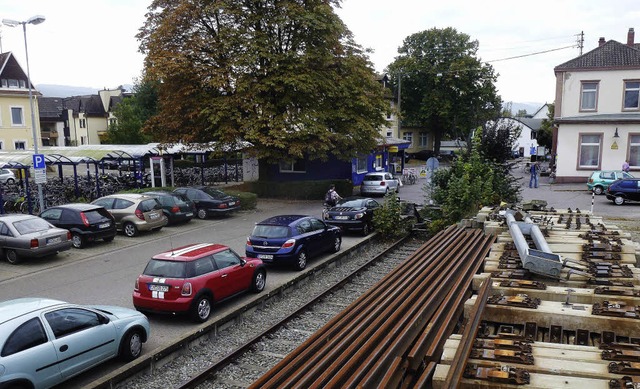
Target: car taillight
pixel 382 183
pixel 175 209
pixel 85 221
pixel 68 235
pixel 34 243
pixel 139 214
pixel 136 286
pixel 249 242
pixel 186 289
pixel 591 180
pixel 289 243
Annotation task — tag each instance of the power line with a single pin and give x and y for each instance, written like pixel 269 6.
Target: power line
pixel 531 54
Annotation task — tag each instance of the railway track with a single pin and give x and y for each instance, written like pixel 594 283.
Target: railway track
pixel 328 292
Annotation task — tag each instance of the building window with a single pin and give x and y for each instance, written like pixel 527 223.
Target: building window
pixel 424 139
pixel 589 96
pixel 634 150
pixel 13 83
pixel 20 145
pixel 361 164
pixel 632 95
pixel 1 145
pixel 589 150
pixel 83 123
pixel 112 121
pixel 408 136
pixel 297 166
pixel 17 117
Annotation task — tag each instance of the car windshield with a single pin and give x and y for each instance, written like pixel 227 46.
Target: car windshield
pixel 351 203
pixel 216 194
pixel 28 226
pixel 266 231
pixel 168 269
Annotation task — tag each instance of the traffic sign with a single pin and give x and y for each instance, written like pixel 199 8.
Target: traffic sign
pixel 41 176
pixel 38 161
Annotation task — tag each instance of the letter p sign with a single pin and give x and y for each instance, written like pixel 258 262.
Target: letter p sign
pixel 38 161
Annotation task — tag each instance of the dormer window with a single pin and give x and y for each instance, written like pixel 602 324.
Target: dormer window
pixel 13 83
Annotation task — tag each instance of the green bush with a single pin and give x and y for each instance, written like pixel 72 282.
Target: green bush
pixel 300 190
pixel 388 221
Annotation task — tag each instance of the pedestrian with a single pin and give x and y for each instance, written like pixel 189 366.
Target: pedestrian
pixel 534 171
pixel 625 167
pixel 331 197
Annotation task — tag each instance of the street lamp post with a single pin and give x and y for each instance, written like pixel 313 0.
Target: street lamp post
pixel 14 23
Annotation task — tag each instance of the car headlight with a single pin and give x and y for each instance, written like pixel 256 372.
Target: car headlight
pixel 359 215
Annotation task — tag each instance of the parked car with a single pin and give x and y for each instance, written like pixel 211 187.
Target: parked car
pixel 352 213
pixel 28 236
pixel 600 180
pixel 191 278
pixel 173 206
pixel 7 176
pixel 380 183
pixel 623 190
pixel 45 342
pixel 210 201
pixel 292 239
pixel 134 212
pixel 86 222
pixel 422 155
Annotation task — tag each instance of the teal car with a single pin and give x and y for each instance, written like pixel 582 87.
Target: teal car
pixel 600 180
pixel 45 342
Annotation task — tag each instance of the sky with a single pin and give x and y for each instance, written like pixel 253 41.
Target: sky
pixel 91 43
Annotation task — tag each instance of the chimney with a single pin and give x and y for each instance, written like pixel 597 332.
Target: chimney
pixel 601 41
pixel 630 37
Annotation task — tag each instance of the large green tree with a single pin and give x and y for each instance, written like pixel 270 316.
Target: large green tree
pixel 445 88
pixel 284 75
pixel 545 133
pixel 132 113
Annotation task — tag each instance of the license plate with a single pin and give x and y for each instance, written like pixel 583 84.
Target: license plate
pixel 104 225
pixel 55 240
pixel 265 256
pixel 159 288
pixel 341 217
pixel 153 216
pixel 189 214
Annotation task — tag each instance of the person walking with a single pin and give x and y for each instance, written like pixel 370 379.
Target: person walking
pixel 625 167
pixel 534 171
pixel 332 196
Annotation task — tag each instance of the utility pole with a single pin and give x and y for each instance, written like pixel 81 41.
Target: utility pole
pixel 581 41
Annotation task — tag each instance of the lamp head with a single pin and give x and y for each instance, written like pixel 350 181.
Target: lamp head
pixel 10 22
pixel 616 134
pixel 35 19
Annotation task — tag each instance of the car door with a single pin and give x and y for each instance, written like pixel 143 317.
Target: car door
pixel 28 350
pixel 5 235
pixel 82 338
pixel 233 274
pixel 121 210
pixel 321 238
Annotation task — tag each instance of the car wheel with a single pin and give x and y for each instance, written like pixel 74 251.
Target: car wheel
pixel 259 281
pixel 337 242
pixel 597 190
pixel 11 256
pixel 131 345
pixel 130 230
pixel 202 213
pixel 109 238
pixel 365 229
pixel 10 181
pixel 618 200
pixel 77 240
pixel 301 260
pixel 201 309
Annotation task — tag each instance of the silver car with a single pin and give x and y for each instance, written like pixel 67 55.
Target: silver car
pixel 380 183
pixel 7 176
pixel 28 236
pixel 45 342
pixel 134 212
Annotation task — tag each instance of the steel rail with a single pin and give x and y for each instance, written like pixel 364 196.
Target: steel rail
pixel 466 343
pixel 205 374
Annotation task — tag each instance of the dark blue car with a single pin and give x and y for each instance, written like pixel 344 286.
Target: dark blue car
pixel 292 239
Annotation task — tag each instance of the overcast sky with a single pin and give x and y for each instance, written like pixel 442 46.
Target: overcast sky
pixel 92 43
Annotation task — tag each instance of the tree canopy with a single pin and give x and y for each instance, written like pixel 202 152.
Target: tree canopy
pixel 284 75
pixel 545 133
pixel 132 113
pixel 445 88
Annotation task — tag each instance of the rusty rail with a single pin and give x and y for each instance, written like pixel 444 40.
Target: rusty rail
pixel 368 344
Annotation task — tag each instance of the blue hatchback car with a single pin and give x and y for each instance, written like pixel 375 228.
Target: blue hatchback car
pixel 292 239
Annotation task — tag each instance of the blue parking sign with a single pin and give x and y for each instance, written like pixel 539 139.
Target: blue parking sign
pixel 38 161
